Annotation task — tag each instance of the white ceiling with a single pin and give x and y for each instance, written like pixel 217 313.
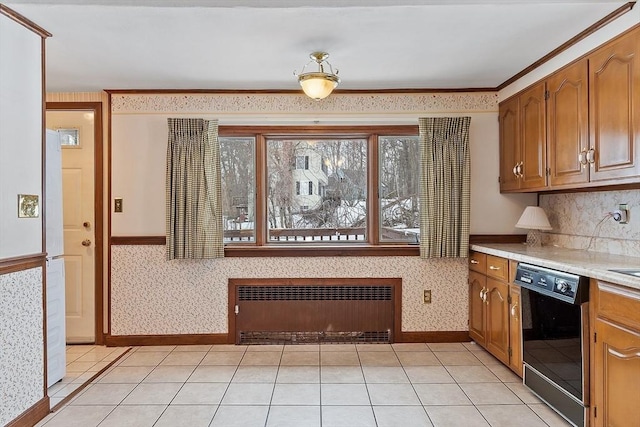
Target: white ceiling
pixel 244 44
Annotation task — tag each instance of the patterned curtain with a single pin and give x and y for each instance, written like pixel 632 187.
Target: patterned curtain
pixel 194 201
pixel 444 187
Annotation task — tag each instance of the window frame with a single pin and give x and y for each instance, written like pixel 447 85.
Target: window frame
pixel 261 247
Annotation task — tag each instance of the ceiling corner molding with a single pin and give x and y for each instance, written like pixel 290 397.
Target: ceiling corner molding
pixel 579 37
pixel 297 104
pixel 27 23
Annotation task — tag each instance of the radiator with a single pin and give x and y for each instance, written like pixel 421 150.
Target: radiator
pixel 314 313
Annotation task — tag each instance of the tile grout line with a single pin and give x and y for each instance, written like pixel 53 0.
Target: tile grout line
pixel 413 386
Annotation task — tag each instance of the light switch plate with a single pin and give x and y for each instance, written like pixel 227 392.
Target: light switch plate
pixel 117 205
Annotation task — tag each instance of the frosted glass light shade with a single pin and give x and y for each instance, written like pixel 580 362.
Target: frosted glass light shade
pixel 318 85
pixel 534 218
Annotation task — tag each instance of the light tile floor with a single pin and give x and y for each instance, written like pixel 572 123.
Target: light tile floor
pixel 83 362
pixel 399 385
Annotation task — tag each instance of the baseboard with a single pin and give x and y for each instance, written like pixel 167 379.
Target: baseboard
pixel 186 339
pixel 33 415
pixel 190 339
pixel 433 336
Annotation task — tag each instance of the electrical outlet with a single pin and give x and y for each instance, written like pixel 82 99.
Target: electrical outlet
pixel 426 296
pixel 621 215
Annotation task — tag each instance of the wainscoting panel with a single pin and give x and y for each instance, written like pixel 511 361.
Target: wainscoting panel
pixel 152 296
pixel 21 342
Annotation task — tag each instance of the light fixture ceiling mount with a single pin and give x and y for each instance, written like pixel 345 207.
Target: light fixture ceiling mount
pixel 318 84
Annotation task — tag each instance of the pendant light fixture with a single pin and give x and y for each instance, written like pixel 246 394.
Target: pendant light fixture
pixel 318 84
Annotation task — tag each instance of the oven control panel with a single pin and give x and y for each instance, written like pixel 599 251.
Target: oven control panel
pixel 558 284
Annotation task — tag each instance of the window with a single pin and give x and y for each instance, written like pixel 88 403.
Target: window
pixel 302 162
pixel 237 173
pixel 399 187
pixel 302 186
pixel 341 215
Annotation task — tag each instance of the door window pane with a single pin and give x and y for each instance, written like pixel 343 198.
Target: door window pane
pixel 399 186
pixel 297 213
pixel 238 188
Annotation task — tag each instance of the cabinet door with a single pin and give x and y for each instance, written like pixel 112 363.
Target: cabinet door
pixel 477 287
pixel 497 330
pixel 617 375
pixel 568 125
pixel 614 109
pixel 533 138
pixel 509 144
pixel 515 331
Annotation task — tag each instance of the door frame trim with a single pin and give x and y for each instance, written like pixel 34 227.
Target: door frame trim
pixel 98 203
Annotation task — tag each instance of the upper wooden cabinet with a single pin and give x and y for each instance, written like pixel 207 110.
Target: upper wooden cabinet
pixel 568 125
pixel 614 110
pixel 522 141
pixel 580 127
pixel 509 144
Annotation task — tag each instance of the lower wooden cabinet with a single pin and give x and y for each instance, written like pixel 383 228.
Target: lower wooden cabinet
pixel 515 330
pixel 497 312
pixel 494 320
pixel 477 317
pixel 615 352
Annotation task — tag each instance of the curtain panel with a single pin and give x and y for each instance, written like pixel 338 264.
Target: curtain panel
pixel 445 193
pixel 193 190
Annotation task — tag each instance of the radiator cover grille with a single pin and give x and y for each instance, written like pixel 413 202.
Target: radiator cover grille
pixel 292 338
pixel 315 293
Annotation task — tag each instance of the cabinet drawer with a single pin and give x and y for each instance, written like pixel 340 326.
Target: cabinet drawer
pixel 477 262
pixel 619 304
pixel 498 267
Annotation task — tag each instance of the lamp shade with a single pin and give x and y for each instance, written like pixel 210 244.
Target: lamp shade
pixel 318 85
pixel 534 218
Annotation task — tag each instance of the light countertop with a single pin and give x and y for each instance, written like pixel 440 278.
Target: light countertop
pixel 584 263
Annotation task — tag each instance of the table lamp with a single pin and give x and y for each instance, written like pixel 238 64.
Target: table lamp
pixel 535 219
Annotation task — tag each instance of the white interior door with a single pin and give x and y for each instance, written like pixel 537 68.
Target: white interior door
pixel 77 135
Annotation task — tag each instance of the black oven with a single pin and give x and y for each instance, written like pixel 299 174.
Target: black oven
pixel 555 345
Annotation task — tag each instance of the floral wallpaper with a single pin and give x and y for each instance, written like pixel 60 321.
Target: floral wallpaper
pixel 21 342
pixel 337 104
pixel 152 296
pixel 576 221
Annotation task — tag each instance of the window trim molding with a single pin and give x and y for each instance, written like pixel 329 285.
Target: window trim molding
pixel 261 246
pixel 251 250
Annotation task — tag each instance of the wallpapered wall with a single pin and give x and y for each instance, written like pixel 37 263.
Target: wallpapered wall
pixel 575 217
pixel 21 348
pixel 150 295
